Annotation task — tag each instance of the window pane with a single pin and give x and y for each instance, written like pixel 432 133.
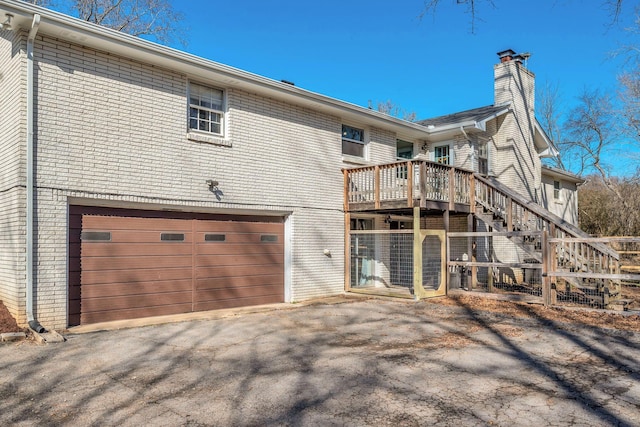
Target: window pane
pixel 214 237
pixel 95 236
pixel 352 148
pixel 172 237
pixel 355 134
pixel 441 154
pixel 205 106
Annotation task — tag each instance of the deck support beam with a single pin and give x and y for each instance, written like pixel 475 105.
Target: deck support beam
pixel 418 289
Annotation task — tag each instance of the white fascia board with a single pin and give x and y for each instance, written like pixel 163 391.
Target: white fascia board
pixel 469 125
pixel 94 36
pixel 482 124
pixel 543 143
pixel 559 173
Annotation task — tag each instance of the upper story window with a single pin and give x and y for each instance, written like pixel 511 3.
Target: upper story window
pixel 404 150
pixel 556 190
pixel 483 158
pixel 353 141
pixel 206 109
pixel 441 154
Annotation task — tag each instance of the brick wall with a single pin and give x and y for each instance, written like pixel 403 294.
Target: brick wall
pixel 516 162
pixel 12 171
pixel 113 131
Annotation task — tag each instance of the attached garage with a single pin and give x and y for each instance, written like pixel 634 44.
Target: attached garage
pixel 127 264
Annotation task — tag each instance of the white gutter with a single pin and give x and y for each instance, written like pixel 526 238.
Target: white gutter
pixel 33 324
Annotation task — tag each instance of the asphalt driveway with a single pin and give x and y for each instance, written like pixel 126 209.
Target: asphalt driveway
pixel 353 362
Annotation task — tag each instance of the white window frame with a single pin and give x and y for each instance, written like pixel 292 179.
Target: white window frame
pixel 485 145
pixel 362 142
pixel 450 148
pixel 557 191
pixel 211 110
pixel 403 159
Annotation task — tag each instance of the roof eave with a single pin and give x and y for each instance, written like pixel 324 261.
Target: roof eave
pixel 77 31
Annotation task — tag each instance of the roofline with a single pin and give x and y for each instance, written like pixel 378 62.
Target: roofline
pixel 469 124
pixel 77 31
pixel 552 171
pixel 552 147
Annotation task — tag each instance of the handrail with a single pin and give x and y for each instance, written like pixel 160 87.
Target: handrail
pixel 411 179
pixel 505 194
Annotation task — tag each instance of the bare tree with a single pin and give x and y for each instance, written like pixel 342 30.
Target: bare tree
pixel 630 100
pixel 474 6
pixel 549 113
pixel 156 19
pixel 391 108
pixel 600 209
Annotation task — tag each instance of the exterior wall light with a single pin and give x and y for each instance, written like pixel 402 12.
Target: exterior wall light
pixel 212 184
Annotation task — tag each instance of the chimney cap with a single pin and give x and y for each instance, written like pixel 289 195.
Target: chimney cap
pixel 506 55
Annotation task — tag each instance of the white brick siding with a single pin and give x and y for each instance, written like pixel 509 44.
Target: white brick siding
pixel 515 161
pixel 113 131
pixel 12 171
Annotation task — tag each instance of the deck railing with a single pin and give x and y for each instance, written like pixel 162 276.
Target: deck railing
pixel 410 183
pixel 428 184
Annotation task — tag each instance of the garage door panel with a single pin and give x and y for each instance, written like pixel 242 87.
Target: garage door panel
pixel 238 302
pixel 230 248
pixel 242 270
pixel 251 238
pixel 141 288
pixel 238 227
pixel 131 276
pixel 134 263
pixel 111 315
pixel 239 281
pixel 240 292
pixel 135 224
pixel 137 249
pixel 231 260
pixel 139 263
pixel 135 301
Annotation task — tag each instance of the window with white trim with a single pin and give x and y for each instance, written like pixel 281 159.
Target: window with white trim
pixel 404 150
pixel 353 143
pixel 556 190
pixel 483 158
pixel 206 109
pixel 441 154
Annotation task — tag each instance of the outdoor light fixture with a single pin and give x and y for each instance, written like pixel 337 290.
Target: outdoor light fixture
pixel 212 184
pixel 6 25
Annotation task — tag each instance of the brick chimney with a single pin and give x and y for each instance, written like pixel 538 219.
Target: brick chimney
pixel 519 165
pixel 513 82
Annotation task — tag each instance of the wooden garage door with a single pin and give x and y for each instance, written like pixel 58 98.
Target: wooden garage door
pixel 126 264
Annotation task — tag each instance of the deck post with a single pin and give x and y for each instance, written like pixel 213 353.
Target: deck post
pixel 376 186
pixel 472 193
pixel 410 184
pixel 345 172
pixel 423 184
pixel 473 252
pixel 418 289
pixel 546 280
pixel 509 214
pixel 452 188
pixel 347 251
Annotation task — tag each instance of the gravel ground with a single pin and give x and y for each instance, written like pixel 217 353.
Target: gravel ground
pixel 352 362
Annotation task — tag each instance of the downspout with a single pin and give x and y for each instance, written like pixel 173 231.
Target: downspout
pixel 33 324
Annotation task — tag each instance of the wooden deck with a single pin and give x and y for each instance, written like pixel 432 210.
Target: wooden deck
pixel 414 183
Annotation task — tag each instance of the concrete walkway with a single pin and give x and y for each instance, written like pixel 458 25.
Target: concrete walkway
pixel 353 363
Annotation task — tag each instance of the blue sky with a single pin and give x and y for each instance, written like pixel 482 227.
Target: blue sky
pixel 378 50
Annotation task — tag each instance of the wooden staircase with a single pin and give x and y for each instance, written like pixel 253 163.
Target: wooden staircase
pixel 503 209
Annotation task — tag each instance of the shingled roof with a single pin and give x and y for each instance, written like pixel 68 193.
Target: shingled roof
pixel 474 115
